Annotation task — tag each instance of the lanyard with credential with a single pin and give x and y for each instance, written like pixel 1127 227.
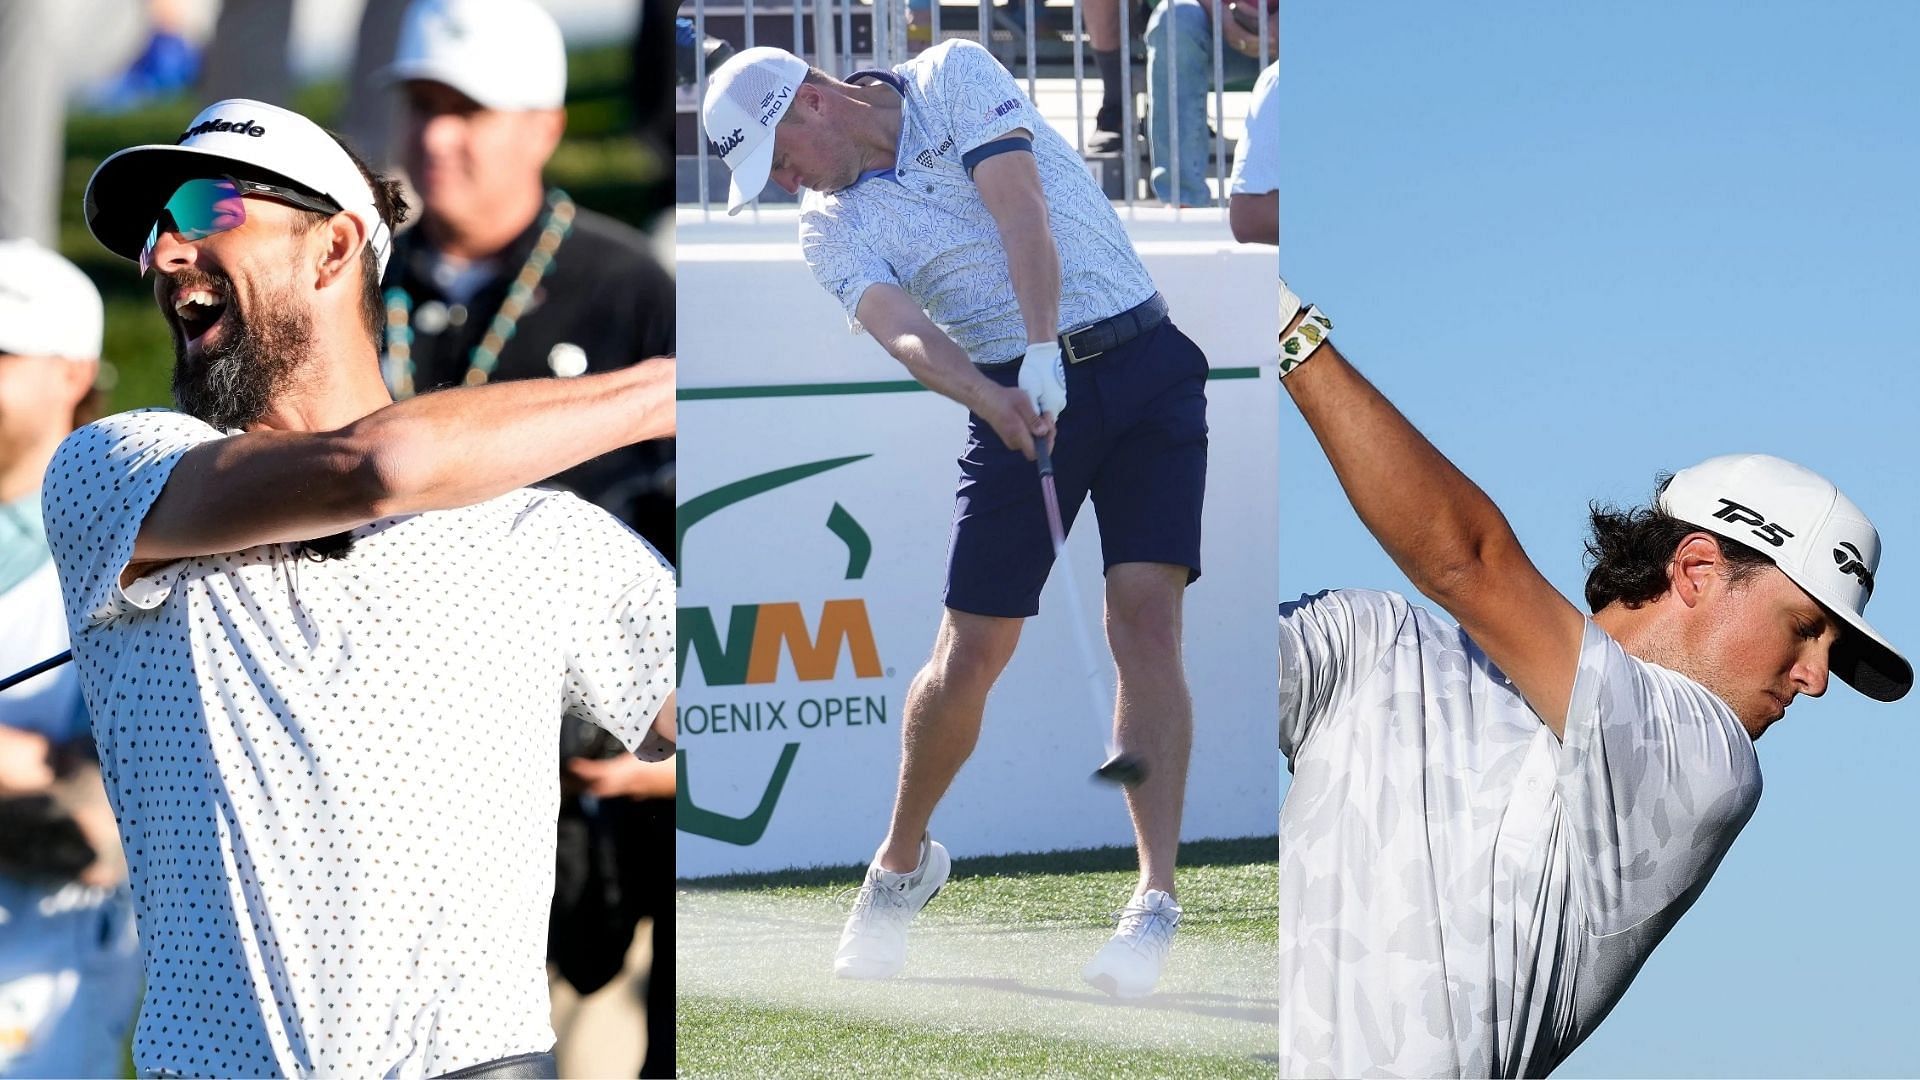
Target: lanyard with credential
pixel 556 221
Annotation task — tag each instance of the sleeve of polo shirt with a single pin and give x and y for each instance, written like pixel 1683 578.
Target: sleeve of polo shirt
pixel 1656 779
pixel 843 263
pixel 979 99
pixel 1329 644
pixel 620 659
pixel 1256 162
pixel 101 483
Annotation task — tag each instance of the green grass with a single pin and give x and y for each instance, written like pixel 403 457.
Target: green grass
pixel 599 163
pixel 991 987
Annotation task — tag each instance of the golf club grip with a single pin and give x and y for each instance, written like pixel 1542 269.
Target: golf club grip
pixel 42 667
pixel 1043 457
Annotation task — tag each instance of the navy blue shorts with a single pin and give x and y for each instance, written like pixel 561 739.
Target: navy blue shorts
pixel 1134 435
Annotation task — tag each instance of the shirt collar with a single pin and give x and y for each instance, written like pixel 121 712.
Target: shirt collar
pixel 899 84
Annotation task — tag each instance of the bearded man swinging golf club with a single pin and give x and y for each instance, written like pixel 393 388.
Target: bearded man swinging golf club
pixel 951 222
pixel 327 640
pixel 1492 826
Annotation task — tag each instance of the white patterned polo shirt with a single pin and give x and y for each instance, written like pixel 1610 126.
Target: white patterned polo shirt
pixel 924 228
pixel 1462 893
pixel 337 781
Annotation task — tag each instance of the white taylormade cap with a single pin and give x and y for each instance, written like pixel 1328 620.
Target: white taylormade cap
pixel 504 54
pixel 1814 534
pixel 250 139
pixel 745 99
pixel 47 306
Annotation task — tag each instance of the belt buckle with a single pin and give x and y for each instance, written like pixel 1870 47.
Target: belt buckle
pixel 1066 346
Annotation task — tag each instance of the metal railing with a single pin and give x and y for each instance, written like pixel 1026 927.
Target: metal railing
pixel 831 48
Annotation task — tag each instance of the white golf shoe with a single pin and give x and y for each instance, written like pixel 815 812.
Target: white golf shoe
pixel 1129 964
pixel 874 943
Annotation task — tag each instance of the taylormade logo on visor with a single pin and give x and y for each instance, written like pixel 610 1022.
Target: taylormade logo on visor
pixel 1850 561
pixel 238 127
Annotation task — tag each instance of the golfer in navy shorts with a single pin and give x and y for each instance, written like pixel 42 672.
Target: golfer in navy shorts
pixel 964 234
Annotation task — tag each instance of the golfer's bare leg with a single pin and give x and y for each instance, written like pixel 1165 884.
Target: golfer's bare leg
pixel 1153 714
pixel 941 723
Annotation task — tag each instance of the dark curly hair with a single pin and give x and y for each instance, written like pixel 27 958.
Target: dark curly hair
pixel 391 205
pixel 1628 553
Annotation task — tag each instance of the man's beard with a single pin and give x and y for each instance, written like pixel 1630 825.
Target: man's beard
pixel 232 383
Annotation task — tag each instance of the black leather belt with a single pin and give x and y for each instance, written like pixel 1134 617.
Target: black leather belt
pixel 536 1066
pixel 1111 333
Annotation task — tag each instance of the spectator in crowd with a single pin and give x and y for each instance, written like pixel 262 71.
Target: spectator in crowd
pixel 69 962
pixel 1253 188
pixel 1179 76
pixel 1102 20
pixel 168 63
pixel 507 277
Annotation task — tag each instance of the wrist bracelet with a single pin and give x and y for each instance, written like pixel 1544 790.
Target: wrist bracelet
pixel 1297 347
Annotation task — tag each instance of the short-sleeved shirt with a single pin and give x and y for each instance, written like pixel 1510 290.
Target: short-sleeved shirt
pixel 336 781
pixel 1462 893
pixel 1256 161
pixel 924 228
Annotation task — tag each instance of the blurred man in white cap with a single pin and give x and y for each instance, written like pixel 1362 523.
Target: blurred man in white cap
pixel 1491 826
pixel 326 639
pixel 506 277
pixel 1253 188
pixel 69 961
pixel 952 222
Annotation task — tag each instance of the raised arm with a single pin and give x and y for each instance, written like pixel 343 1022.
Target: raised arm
pixel 432 452
pixel 897 322
pixel 1442 531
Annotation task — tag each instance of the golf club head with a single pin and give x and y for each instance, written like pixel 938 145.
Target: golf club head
pixel 1123 769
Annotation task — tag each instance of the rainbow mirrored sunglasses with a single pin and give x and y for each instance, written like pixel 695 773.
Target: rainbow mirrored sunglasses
pixel 200 208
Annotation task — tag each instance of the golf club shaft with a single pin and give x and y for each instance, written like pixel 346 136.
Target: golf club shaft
pixel 43 666
pixel 1090 660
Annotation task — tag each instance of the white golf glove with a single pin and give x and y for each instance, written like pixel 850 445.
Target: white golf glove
pixel 1043 375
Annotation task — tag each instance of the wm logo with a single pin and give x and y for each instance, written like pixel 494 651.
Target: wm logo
pixel 758 635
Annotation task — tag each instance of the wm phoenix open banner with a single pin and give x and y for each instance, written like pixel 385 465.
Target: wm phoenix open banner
pixel 816 495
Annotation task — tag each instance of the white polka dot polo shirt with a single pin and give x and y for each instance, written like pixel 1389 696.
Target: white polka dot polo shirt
pixel 337 781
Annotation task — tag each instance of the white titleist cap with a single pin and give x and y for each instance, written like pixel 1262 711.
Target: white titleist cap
pixel 745 99
pixel 47 306
pixel 504 54
pixel 1814 534
pixel 250 139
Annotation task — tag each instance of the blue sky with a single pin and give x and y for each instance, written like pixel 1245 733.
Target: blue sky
pixel 1580 246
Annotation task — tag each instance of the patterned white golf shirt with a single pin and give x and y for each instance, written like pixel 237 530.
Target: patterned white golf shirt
pixel 924 228
pixel 337 782
pixel 1461 893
